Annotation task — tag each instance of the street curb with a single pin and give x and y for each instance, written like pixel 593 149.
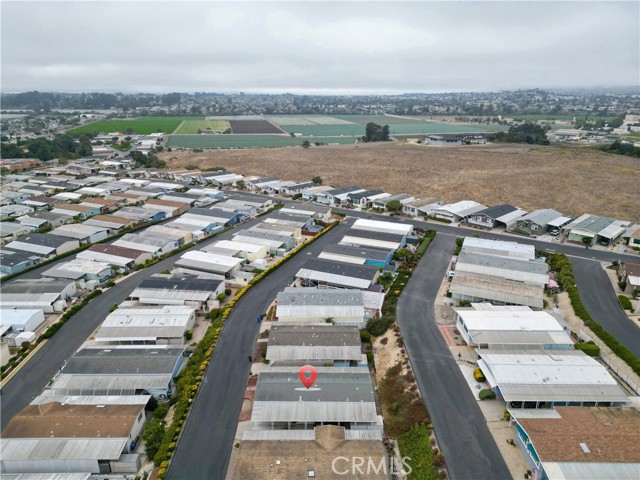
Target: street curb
pixel 13 372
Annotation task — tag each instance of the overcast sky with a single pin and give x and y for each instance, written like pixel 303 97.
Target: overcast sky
pixel 317 47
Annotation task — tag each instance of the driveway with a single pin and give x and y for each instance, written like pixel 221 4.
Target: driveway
pixel 463 435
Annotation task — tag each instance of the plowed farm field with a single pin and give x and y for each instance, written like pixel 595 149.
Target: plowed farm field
pixel 253 127
pixel 571 180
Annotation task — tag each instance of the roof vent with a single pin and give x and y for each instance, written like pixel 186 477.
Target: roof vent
pixel 584 448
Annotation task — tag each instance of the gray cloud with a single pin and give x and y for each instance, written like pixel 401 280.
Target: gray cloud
pixel 317 46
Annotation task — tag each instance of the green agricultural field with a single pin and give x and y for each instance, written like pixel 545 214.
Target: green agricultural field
pixel 191 126
pixel 247 141
pixel 379 119
pixel 564 117
pixel 140 125
pixel 308 120
pixel 347 129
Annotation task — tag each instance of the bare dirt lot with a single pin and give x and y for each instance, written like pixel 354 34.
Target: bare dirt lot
pixel 571 180
pixel 253 126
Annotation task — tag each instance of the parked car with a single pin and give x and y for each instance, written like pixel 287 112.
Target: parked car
pixel 555 232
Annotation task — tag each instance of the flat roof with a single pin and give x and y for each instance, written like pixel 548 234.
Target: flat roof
pixel 54 420
pixel 610 435
pixel 493 288
pixel 240 246
pixel 363 252
pixel 499 247
pixel 497 211
pixel 289 454
pixel 313 342
pixel 76 268
pixel 341 273
pixel 542 217
pixel 34 286
pixel 339 394
pixel 462 208
pixel 111 249
pixel 43 449
pixel 119 360
pixel 549 375
pixel 211 258
pixel 382 226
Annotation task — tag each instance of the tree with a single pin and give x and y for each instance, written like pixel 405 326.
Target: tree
pixel 241 185
pixel 317 180
pixel 9 150
pixel 587 240
pixel 528 132
pixel 305 144
pixel 394 206
pixel 376 133
pixel 402 254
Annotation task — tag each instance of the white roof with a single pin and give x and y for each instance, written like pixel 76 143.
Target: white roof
pixel 258 241
pixel 462 208
pixel 211 258
pixel 68 195
pixel 509 217
pixel 30 247
pixel 78 230
pixel 333 278
pixel 509 320
pixel 559 222
pixel 11 316
pixel 163 231
pixel 614 230
pixel 76 268
pixel 592 470
pixel 199 222
pixel 499 247
pixel 35 449
pixel 145 323
pixel 48 396
pixel 320 311
pixel 558 375
pixel 368 242
pixel 104 257
pixel 240 246
pixel 380 226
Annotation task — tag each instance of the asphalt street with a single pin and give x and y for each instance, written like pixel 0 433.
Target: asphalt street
pixel 205 446
pixel 601 302
pixel 38 371
pixel 467 445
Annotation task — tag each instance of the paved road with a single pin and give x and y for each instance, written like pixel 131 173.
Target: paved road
pixel 600 299
pixel 467 445
pixel 37 372
pixel 205 447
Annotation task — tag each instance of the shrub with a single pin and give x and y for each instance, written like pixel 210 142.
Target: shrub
pixel 590 348
pixel 227 291
pixel 188 334
pixel 623 285
pixel 478 375
pixel 377 326
pixel 221 297
pixel 415 445
pixel 486 394
pixel 625 303
pixel 365 336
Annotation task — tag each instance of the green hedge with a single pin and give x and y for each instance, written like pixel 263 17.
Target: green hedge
pixel 486 394
pixel 625 303
pixel 590 348
pixel 560 263
pixel 415 444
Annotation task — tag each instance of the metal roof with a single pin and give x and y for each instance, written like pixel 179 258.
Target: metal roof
pixel 542 217
pixel 176 283
pixel 497 211
pixel 145 323
pixel 48 396
pixel 34 286
pixel 76 268
pixel 462 208
pixel 38 449
pixel 338 395
pixel 499 248
pixel 301 342
pixel 240 246
pixel 119 361
pixel 545 375
pixel 372 240
pixel 209 261
pixel 492 288
pixel 528 271
pixel 211 212
pixel 48 240
pixel 400 229
pixel 359 252
pixel 590 223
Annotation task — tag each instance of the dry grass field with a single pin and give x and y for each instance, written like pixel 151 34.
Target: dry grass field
pixel 571 180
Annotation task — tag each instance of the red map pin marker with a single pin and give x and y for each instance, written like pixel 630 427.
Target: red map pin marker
pixel 307 375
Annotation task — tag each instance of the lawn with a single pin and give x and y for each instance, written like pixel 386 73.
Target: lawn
pixel 191 126
pixel 140 125
pixel 247 141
